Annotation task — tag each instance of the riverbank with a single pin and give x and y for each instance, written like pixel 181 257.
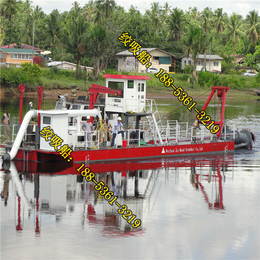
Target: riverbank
pixel 164 94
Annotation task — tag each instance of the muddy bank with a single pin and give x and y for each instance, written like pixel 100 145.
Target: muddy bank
pixel 232 94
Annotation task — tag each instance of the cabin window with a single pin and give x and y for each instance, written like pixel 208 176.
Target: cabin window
pixel 46 120
pixel 75 107
pixel 142 85
pixel 68 106
pixel 72 121
pixel 85 107
pixel 130 84
pixel 189 62
pixel 215 63
pixel 84 118
pixel 139 87
pixel 116 85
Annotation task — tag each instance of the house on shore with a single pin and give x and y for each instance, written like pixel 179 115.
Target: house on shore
pixel 160 59
pixel 65 65
pixel 15 57
pixel 23 46
pixel 213 62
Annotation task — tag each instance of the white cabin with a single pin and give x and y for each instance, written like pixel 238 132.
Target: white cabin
pixel 67 124
pixel 133 93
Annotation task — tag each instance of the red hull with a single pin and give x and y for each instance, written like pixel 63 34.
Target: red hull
pixel 130 153
pixel 123 166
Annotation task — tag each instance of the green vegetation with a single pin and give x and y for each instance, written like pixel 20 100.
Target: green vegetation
pixel 88 36
pixel 53 78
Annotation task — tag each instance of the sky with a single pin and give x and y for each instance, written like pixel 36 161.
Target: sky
pixel 242 7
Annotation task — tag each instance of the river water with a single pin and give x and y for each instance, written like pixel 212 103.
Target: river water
pixel 190 208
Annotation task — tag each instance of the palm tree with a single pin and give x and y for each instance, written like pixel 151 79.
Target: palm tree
pixel 235 29
pixel 9 8
pixel 206 19
pixel 219 20
pixel 53 29
pixel 254 26
pixel 155 15
pixel 74 40
pixel 166 8
pixel 107 6
pixel 89 10
pixel 195 44
pixel 175 23
pixel 97 44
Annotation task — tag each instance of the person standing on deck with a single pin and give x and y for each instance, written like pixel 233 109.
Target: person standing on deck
pixel 88 128
pixel 6 123
pixel 118 129
pixel 108 131
pixel 100 129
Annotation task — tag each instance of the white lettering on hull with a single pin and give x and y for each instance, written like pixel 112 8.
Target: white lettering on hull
pixel 182 150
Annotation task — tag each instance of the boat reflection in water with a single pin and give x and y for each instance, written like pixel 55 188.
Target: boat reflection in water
pixel 136 184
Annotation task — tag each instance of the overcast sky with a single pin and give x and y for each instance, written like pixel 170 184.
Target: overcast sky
pixel 242 7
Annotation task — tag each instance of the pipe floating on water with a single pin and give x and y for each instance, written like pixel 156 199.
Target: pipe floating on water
pixel 18 140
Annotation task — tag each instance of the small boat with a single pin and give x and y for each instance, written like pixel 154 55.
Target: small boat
pixel 146 135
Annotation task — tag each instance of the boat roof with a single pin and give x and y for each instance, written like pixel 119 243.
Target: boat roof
pixel 54 112
pixel 116 76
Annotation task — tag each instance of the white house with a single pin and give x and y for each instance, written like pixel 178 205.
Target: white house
pixel 159 59
pixel 213 62
pixel 66 65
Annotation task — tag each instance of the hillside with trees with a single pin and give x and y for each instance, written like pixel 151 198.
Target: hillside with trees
pixel 88 35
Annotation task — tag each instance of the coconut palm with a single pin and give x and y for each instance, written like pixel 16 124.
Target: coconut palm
pixel 97 45
pixel 9 8
pixel 107 6
pixel 219 20
pixel 235 29
pixel 194 43
pixel 174 22
pixel 73 41
pixel 89 10
pixel 254 26
pixel 155 15
pixel 206 18
pixel 53 29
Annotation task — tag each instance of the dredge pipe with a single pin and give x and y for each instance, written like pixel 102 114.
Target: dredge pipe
pixel 18 140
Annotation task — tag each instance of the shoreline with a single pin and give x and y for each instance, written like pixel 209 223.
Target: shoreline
pixel 238 94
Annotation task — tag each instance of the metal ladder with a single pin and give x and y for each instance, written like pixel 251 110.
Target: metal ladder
pixel 154 123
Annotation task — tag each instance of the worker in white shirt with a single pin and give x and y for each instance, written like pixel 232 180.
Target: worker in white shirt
pixel 117 130
pixel 88 129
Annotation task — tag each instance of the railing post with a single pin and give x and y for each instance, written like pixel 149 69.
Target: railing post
pixel 98 140
pixel 139 135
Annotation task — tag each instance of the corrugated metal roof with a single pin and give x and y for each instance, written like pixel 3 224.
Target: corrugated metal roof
pixel 128 53
pixel 23 46
pixel 16 50
pixel 115 76
pixel 57 63
pixel 201 56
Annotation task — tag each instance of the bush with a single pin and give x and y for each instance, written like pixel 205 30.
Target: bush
pixel 10 77
pixel 33 70
pixel 40 60
pixel 188 69
pixel 208 78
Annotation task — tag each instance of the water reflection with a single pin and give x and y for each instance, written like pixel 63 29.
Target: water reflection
pixel 137 186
